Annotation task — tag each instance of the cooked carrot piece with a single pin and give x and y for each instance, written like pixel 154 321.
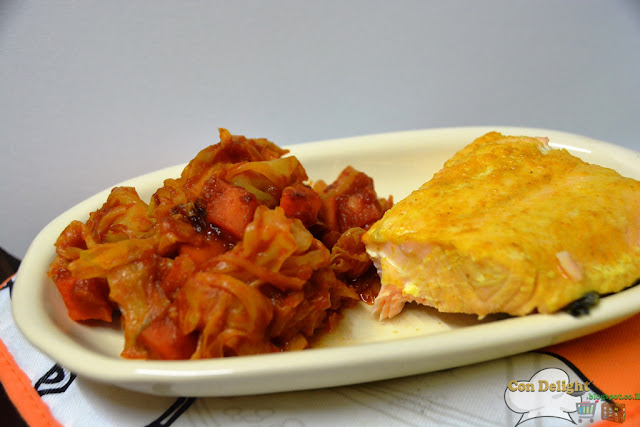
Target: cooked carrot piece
pixel 229 207
pixel 351 201
pixel 85 299
pixel 164 340
pixel 200 254
pixel 301 202
pixel 358 209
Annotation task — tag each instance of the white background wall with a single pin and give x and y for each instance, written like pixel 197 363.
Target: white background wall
pixel 95 92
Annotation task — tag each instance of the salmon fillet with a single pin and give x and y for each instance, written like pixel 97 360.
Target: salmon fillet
pixel 509 225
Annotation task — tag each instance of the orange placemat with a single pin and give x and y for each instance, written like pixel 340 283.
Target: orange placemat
pixel 609 358
pixel 20 390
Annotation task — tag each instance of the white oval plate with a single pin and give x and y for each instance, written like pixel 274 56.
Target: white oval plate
pixel 362 349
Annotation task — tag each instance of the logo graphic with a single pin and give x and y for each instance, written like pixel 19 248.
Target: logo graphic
pixel 586 410
pixel 612 412
pixel 548 393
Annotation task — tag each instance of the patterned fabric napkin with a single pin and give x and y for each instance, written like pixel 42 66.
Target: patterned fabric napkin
pixel 510 391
